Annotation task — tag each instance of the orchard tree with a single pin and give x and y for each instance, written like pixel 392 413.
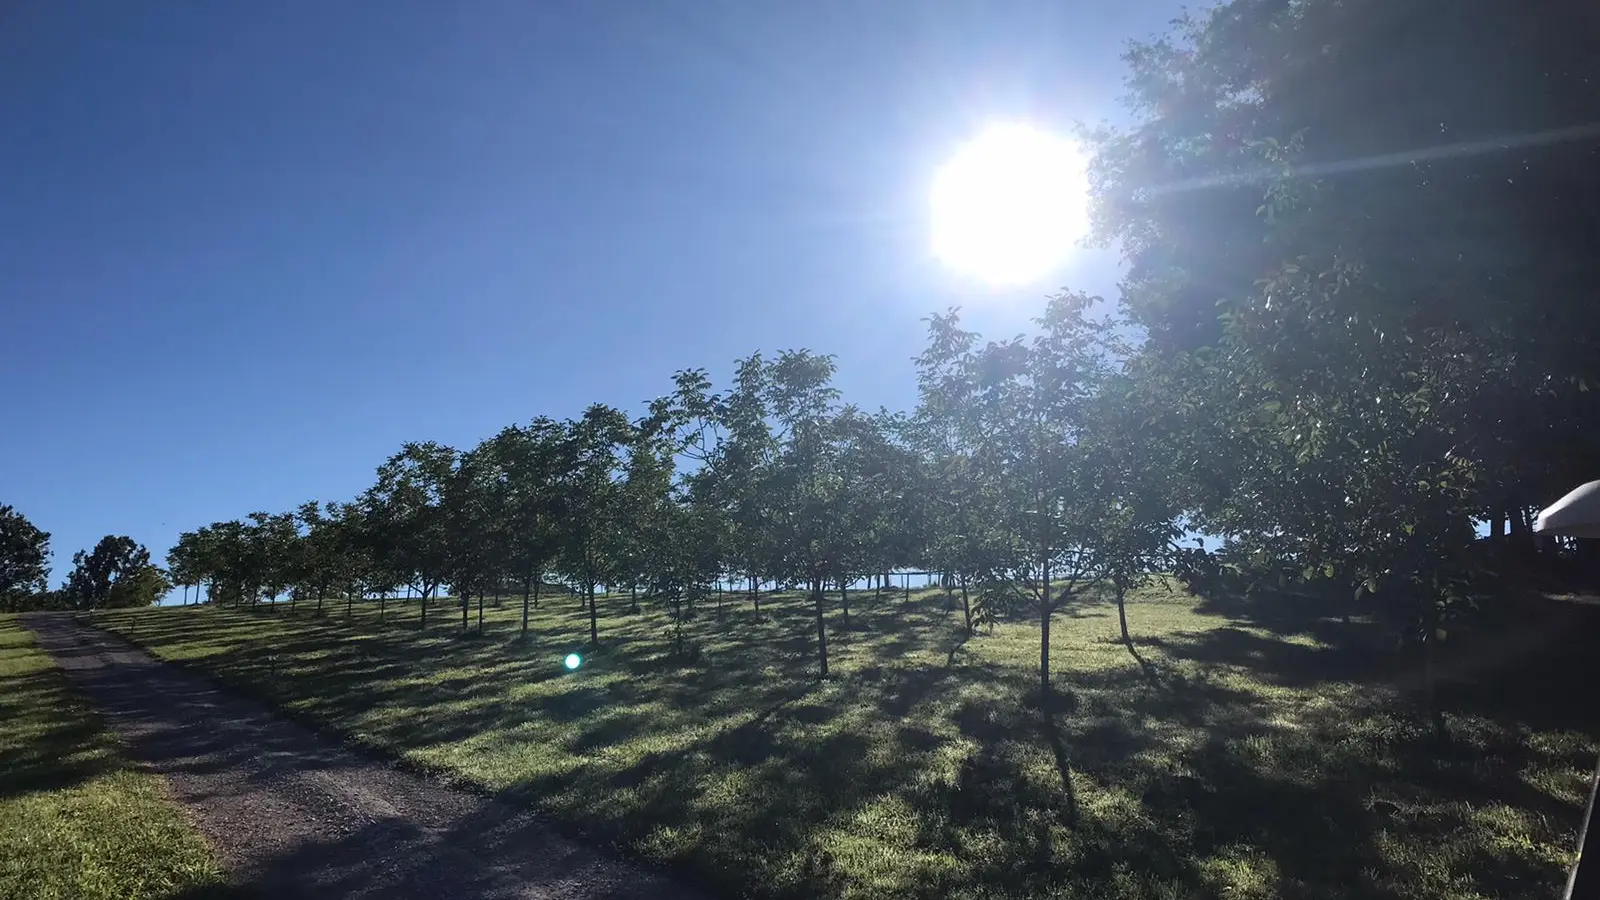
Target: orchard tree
pixel 534 465
pixel 804 484
pixel 1022 405
pixel 594 508
pixel 407 520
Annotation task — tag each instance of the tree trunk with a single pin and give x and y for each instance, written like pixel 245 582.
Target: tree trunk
pixel 1497 525
pixel 1044 637
pixel 755 592
pixel 349 604
pixel 822 631
pixel 877 589
pixel 319 601
pixel 966 603
pixel 906 578
pixel 594 624
pixel 844 599
pixel 1122 612
pixel 480 612
pixel 633 599
pixel 424 625
pixel 1521 534
pixel 465 597
pixel 527 589
pixel 383 596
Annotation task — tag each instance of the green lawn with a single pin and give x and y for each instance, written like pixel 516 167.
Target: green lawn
pixel 75 820
pixel 1225 755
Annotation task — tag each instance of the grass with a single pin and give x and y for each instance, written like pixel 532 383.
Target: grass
pixel 76 820
pixel 1223 754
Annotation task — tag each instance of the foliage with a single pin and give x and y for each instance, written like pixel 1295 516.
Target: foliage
pixel 117 572
pixel 24 558
pixel 1364 316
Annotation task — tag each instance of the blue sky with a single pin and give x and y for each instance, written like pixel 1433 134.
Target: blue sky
pixel 247 249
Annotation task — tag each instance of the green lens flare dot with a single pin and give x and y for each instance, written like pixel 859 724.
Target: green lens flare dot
pixel 574 660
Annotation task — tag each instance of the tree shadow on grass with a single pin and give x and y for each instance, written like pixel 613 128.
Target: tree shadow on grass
pixel 50 742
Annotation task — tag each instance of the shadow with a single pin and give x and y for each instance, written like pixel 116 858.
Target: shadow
pixel 1217 756
pixel 1063 765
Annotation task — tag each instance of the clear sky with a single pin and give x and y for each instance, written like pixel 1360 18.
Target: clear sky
pixel 247 249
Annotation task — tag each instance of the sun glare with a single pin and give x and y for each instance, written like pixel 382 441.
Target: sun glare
pixel 1010 205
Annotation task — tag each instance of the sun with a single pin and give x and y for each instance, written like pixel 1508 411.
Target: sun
pixel 1010 205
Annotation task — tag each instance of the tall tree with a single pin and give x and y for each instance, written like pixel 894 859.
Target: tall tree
pixel 24 557
pixel 116 573
pixel 1365 315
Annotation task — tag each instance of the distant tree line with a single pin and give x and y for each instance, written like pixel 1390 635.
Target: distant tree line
pixel 116 573
pixel 1012 479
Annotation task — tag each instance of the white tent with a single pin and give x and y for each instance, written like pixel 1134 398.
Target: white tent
pixel 1575 515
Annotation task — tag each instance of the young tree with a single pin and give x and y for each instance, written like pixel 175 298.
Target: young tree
pixel 406 516
pixel 593 524
pixel 803 483
pixel 1022 406
pixel 476 527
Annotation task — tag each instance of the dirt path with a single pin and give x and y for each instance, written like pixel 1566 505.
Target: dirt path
pixel 296 815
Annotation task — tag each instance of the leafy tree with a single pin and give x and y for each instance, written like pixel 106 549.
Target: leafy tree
pixel 1023 406
pixel 24 558
pixel 475 534
pixel 117 572
pixel 406 517
pixel 1135 488
pixel 804 485
pixel 144 586
pixel 535 466
pixel 1365 318
pixel 594 507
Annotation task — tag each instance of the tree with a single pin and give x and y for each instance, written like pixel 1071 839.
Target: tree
pixel 144 586
pixel 1365 318
pixel 535 471
pixel 406 516
pixel 803 484
pixel 24 557
pixel 1135 489
pixel 594 510
pixel 737 450
pixel 476 527
pixel 1023 406
pixel 117 572
pixel 275 553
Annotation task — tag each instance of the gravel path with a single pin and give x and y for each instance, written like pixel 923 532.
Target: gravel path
pixel 295 815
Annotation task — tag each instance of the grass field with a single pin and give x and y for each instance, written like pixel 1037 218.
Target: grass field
pixel 75 820
pixel 1222 755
